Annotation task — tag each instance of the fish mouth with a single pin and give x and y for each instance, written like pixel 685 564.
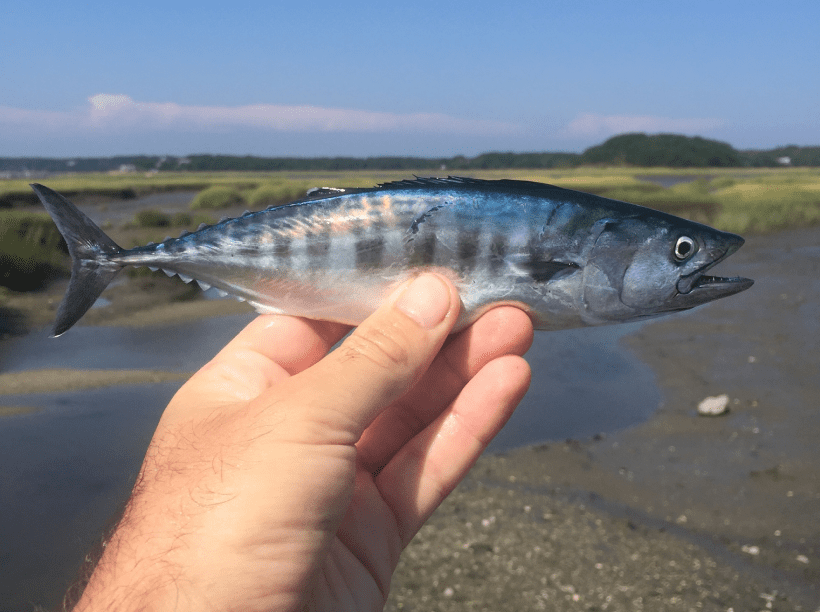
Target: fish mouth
pixel 698 288
pixel 717 286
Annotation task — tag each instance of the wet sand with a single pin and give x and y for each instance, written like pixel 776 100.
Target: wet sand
pixel 679 513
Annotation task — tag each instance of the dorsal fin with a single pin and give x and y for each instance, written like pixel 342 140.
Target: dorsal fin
pixel 420 182
pixel 502 185
pixel 325 192
pixel 432 182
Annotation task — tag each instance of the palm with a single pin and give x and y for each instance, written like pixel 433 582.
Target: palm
pixel 355 574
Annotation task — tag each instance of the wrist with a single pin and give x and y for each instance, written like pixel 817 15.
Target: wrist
pixel 135 572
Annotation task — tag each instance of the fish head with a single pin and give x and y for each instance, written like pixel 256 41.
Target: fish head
pixel 645 267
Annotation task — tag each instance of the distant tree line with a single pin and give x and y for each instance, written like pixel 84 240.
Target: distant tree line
pixel 663 150
pixel 666 150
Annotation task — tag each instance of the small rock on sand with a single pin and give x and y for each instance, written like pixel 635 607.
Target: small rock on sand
pixel 714 405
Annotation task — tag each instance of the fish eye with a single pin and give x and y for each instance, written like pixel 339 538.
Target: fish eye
pixel 684 248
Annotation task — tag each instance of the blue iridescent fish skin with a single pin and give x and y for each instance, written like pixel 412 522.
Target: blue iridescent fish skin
pixel 567 258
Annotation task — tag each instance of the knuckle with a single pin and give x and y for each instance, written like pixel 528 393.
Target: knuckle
pixel 386 348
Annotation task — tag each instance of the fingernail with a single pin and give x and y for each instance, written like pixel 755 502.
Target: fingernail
pixel 426 301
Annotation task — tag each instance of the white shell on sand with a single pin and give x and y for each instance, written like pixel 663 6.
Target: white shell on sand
pixel 714 405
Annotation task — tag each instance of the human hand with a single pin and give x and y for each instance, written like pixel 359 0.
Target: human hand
pixel 283 479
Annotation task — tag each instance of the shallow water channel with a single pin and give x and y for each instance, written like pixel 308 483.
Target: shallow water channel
pixel 69 465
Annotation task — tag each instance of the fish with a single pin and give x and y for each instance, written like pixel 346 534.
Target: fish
pixel 567 258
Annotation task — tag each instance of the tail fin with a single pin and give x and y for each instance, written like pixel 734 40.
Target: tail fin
pixel 91 270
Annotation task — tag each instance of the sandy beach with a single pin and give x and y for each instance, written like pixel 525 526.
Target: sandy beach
pixel 681 512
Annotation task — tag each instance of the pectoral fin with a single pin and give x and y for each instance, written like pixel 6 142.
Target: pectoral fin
pixel 543 271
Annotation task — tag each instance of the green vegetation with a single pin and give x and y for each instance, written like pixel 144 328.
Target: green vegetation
pixel 221 196
pixel 31 250
pixel 754 202
pixel 749 200
pixel 183 219
pixel 667 150
pixel 16 192
pixel 799 157
pixel 769 202
pixel 141 163
pixel 151 217
pixel 282 189
pixel 275 193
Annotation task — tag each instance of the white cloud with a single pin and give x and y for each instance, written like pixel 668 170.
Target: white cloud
pixel 118 113
pixel 588 125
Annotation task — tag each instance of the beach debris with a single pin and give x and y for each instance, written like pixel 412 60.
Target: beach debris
pixel 802 558
pixel 750 550
pixel 714 405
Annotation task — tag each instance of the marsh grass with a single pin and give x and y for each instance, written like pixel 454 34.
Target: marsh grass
pixel 218 196
pixel 151 217
pixel 735 199
pixel 17 192
pixel 768 204
pixel 31 250
pixel 183 219
pixel 275 193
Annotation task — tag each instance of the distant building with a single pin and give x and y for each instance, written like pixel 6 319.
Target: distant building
pixel 784 161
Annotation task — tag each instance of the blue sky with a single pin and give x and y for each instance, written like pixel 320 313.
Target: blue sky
pixel 90 78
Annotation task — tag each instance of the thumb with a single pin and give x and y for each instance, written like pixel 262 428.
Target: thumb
pixel 380 360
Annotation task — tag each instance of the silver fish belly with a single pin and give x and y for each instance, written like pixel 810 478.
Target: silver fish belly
pixel 567 258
